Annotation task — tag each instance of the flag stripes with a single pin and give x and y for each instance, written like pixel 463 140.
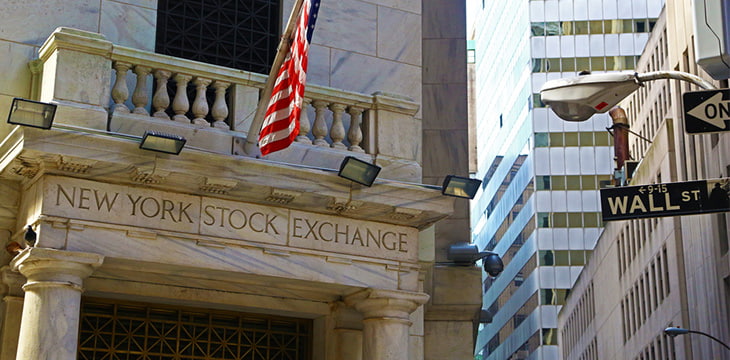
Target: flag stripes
pixel 281 121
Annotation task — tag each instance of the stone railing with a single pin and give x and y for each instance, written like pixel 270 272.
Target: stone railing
pixel 219 91
pixel 212 106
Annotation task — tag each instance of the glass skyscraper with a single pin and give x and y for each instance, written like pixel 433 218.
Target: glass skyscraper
pixel 539 204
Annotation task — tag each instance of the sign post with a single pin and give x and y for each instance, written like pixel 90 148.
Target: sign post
pixel 668 199
pixel 706 111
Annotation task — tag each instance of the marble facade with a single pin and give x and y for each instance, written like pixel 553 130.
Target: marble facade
pixel 213 228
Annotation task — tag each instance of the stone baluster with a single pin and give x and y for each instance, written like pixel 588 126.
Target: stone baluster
pixel 354 135
pixel 304 125
pixel 220 108
pixel 319 130
pixel 51 310
pixel 386 321
pixel 200 105
pixel 337 133
pixel 161 99
pixel 120 92
pixel 180 104
pixel 139 96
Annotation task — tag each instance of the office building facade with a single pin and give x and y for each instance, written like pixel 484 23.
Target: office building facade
pixel 653 273
pixel 538 207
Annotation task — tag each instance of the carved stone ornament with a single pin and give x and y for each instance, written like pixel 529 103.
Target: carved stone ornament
pixel 281 196
pixel 152 176
pixel 404 214
pixel 218 186
pixel 339 205
pixel 78 166
pixel 28 168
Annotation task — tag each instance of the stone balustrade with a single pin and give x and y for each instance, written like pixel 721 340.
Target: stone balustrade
pixel 206 95
pixel 109 87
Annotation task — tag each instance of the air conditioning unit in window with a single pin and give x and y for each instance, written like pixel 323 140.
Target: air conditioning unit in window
pixel 712 37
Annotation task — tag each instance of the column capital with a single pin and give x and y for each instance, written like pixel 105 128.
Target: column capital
pixel 380 303
pixel 41 264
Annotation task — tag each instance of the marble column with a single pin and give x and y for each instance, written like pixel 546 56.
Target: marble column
pixel 386 321
pixel 11 310
pixel 50 321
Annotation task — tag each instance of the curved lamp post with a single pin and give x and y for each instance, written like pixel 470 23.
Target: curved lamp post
pixel 578 98
pixel 674 331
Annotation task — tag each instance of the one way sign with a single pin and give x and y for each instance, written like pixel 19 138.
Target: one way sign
pixel 706 111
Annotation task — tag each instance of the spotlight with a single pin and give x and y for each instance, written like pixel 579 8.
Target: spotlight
pixel 32 113
pixel 160 142
pixel 461 187
pixel 359 171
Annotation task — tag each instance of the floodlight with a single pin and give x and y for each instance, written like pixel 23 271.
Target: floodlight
pixel 461 187
pixel 32 113
pixel 359 171
pixel 161 142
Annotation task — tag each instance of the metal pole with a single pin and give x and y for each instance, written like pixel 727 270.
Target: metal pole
pixel 675 75
pixel 709 336
pixel 620 138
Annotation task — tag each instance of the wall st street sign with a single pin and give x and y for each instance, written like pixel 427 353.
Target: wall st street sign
pixel 669 199
pixel 706 111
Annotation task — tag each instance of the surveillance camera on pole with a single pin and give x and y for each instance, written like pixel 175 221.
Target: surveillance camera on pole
pixel 465 254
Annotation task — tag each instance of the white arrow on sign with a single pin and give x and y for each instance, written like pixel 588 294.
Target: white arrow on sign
pixel 713 111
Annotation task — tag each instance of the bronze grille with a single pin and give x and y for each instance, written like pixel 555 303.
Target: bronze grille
pixel 125 331
pixel 241 34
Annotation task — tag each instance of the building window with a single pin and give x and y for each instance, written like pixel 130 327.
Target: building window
pixel 237 34
pixel 471 56
pixel 593 27
pixel 549 336
pixel 542 182
pixel 537 101
pixel 608 63
pixel 518 319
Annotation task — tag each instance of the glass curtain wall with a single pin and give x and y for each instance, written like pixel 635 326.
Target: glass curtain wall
pixel 539 204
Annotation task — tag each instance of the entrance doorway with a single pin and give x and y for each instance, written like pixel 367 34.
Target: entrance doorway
pixel 123 331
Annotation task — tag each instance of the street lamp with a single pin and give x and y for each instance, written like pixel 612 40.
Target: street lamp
pixel 578 98
pixel 674 331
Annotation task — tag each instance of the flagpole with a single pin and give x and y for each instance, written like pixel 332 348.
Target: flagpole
pixel 250 148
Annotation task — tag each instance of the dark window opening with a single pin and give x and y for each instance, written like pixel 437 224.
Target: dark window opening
pixel 237 34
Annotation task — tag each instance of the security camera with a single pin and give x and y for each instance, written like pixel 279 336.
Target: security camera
pixel 466 254
pixel 578 98
pixel 492 263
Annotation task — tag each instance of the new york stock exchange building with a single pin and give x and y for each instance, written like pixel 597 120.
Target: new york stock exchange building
pixel 117 251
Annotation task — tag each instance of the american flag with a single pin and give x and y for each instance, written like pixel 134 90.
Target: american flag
pixel 281 122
